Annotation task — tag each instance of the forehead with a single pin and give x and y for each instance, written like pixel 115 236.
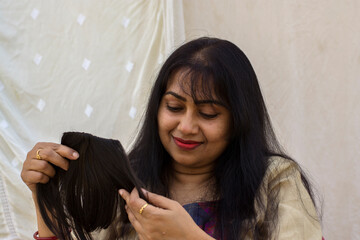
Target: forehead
pixel 194 85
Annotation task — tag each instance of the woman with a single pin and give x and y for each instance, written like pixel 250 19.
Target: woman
pixel 207 154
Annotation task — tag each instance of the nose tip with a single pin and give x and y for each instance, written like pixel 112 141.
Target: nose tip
pixel 188 125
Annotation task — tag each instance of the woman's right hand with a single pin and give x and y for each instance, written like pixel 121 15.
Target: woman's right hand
pixel 40 170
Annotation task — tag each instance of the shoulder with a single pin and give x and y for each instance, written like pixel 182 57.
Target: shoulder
pixel 297 215
pixel 284 179
pixel 281 169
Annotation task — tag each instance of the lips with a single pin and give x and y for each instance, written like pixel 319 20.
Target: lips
pixel 186 144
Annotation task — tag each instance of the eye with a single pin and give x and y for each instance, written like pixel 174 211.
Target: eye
pixel 173 108
pixel 209 116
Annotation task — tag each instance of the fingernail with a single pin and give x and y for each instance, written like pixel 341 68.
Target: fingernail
pixel 75 154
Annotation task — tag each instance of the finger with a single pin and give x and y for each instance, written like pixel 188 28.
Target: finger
pixel 54 153
pixel 134 202
pixel 42 166
pixel 161 201
pixel 125 195
pixel 49 155
pixel 132 199
pixel 34 177
pixel 62 150
pixel 133 220
pixel 66 152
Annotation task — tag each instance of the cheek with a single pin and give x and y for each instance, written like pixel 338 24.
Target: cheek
pixel 218 132
pixel 166 123
pixel 218 140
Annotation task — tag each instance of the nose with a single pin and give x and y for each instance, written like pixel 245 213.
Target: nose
pixel 188 124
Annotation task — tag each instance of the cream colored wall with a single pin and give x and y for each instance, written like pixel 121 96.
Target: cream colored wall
pixel 307 58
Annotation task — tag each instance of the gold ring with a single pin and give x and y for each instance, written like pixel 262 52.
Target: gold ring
pixel 38 157
pixel 143 207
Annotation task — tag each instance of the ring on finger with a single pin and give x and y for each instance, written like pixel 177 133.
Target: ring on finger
pixel 38 157
pixel 143 207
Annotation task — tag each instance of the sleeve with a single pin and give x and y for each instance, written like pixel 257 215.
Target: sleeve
pixel 297 216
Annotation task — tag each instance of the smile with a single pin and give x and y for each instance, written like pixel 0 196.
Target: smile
pixel 186 144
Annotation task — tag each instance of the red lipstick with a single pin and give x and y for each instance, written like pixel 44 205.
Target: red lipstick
pixel 186 144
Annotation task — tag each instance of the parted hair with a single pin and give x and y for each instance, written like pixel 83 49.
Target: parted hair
pixel 85 197
pixel 218 69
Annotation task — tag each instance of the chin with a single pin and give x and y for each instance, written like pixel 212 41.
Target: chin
pixel 185 162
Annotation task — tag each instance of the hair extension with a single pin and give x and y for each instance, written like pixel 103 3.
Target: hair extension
pixel 85 197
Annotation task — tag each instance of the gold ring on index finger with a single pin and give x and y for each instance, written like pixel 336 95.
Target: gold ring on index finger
pixel 143 207
pixel 38 157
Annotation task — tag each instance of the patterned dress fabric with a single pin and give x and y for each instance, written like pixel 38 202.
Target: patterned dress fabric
pixel 203 213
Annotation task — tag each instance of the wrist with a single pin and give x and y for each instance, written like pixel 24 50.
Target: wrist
pixel 36 236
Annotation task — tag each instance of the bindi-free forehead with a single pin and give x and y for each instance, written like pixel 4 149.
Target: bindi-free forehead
pixel 180 87
pixel 197 101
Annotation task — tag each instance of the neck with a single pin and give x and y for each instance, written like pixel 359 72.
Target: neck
pixel 192 175
pixel 192 185
pixel 191 178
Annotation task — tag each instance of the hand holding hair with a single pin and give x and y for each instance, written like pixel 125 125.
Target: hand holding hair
pixel 38 167
pixel 39 164
pixel 84 198
pixel 162 218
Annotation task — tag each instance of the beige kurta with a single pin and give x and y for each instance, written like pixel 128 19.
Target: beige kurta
pixel 297 217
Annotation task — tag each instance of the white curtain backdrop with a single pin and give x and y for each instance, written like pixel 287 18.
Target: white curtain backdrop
pixel 73 66
pixel 88 66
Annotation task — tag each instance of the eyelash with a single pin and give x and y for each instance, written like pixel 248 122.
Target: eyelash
pixel 207 116
pixel 173 109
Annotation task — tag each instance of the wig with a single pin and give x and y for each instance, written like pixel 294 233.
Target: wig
pixel 85 197
pixel 218 69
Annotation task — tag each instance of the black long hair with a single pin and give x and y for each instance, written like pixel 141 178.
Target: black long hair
pixel 85 198
pixel 220 67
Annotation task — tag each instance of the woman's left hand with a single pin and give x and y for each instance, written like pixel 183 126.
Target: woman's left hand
pixel 162 218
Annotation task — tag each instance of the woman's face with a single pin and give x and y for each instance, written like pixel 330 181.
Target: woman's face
pixel 193 133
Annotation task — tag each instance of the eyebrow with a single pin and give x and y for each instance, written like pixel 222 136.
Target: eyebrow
pixel 175 95
pixel 196 102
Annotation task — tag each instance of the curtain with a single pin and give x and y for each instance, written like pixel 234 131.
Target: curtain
pixel 73 66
